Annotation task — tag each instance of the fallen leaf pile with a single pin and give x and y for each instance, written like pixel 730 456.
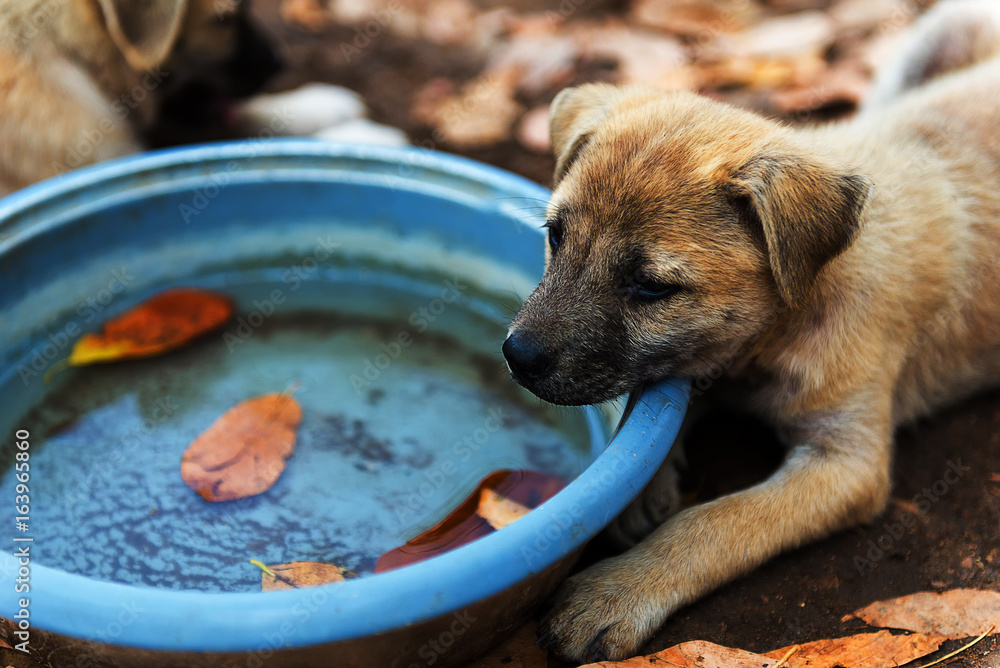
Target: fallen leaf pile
pixel 788 57
pixel 244 451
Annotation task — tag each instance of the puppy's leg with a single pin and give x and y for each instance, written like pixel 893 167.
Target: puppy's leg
pixel 836 476
pixel 950 37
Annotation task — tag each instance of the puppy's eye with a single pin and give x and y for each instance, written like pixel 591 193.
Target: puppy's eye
pixel 647 288
pixel 555 237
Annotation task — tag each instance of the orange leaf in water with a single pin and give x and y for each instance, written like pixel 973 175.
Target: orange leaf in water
pixel 500 499
pixel 297 574
pixel 166 321
pixel 498 510
pixel 243 452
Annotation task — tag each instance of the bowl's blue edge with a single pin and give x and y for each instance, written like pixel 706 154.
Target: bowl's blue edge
pixel 140 617
pixel 144 617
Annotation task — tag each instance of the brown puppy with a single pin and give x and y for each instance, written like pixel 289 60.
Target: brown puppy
pixel 81 79
pixel 838 281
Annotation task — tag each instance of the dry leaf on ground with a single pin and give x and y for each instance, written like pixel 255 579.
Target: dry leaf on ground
pixel 533 130
pixel 297 574
pixel 865 16
pixel 958 613
pixel 310 15
pixel 694 654
pixel 845 84
pixel 696 18
pixel 482 113
pixel 797 35
pixel 161 323
pixel 521 650
pixel 448 22
pixel 865 650
pixel 243 452
pixel 643 56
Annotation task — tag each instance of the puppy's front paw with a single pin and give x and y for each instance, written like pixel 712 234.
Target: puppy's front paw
pixel 605 613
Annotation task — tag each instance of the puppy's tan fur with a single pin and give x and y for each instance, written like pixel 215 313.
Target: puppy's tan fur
pixel 837 281
pixel 80 79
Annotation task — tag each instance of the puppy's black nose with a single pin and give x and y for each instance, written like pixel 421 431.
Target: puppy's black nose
pixel 526 356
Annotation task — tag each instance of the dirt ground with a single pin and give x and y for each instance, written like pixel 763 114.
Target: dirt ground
pixel 954 538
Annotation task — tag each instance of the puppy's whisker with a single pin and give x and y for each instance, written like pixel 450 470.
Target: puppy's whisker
pixel 545 203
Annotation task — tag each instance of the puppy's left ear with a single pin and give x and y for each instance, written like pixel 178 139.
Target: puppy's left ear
pixel 808 213
pixel 144 30
pixel 575 113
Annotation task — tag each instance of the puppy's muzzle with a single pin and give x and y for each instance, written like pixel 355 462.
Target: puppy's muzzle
pixel 526 357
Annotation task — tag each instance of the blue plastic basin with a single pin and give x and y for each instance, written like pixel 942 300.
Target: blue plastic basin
pixel 225 216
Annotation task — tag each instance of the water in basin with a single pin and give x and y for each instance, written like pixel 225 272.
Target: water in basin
pixel 406 402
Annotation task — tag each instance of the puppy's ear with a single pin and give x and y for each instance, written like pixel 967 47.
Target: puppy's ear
pixel 144 30
pixel 574 113
pixel 807 213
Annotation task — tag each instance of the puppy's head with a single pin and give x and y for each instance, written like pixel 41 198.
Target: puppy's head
pixel 208 49
pixel 677 230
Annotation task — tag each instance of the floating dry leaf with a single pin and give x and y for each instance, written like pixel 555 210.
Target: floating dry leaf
pixel 508 493
pixel 297 574
pixel 164 322
pixel 865 650
pixel 498 510
pixel 243 452
pixel 958 613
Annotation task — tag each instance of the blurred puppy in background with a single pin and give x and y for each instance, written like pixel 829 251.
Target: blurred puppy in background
pixel 81 80
pixel 837 281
